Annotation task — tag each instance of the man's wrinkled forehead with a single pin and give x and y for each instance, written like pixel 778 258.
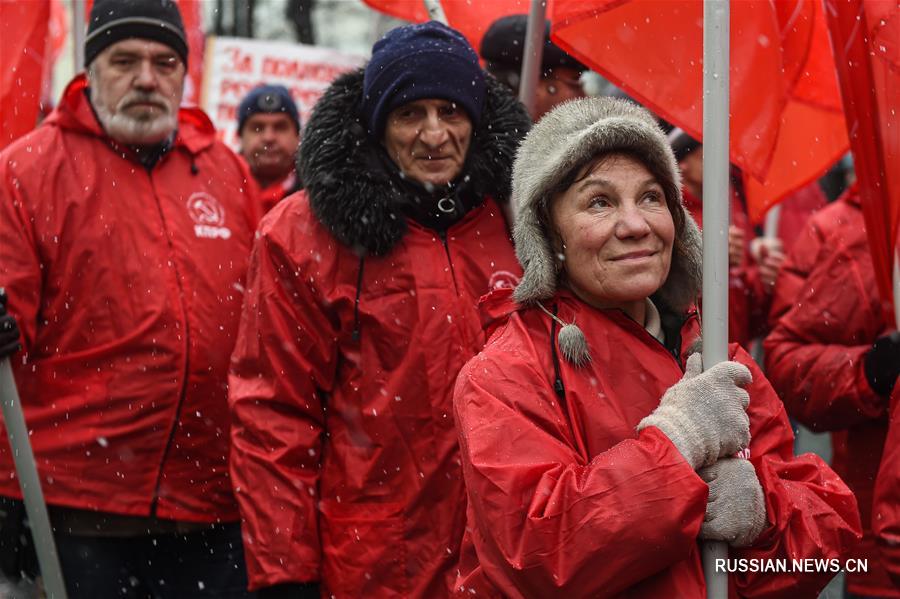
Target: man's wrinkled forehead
pixel 140 48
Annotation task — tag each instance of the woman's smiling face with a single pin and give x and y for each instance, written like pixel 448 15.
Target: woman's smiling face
pixel 616 233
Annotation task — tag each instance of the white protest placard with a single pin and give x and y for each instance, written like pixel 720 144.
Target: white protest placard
pixel 234 66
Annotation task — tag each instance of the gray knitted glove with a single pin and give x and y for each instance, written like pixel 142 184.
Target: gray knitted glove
pixel 736 508
pixel 704 414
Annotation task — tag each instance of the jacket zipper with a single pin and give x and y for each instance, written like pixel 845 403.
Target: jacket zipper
pixel 443 236
pixel 181 394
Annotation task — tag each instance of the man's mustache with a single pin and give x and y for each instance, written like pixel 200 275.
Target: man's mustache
pixel 155 99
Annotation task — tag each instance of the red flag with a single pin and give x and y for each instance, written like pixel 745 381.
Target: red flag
pixel 786 119
pixel 865 36
pixel 472 19
pixel 192 15
pixel 23 39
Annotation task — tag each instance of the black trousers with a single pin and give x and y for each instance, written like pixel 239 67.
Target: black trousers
pixel 201 564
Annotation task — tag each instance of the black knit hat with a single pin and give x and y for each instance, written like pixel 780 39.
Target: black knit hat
pixel 414 62
pixel 682 143
pixel 115 20
pixel 503 45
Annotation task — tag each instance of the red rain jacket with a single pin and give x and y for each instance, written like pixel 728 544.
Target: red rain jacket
pixel 271 195
pixel 345 456
pixel 826 314
pixel 127 286
pixel 566 499
pixel 886 507
pixel 274 193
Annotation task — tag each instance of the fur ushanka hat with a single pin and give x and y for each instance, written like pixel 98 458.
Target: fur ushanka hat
pixel 567 138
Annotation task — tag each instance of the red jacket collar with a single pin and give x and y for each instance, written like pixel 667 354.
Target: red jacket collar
pixel 497 305
pixel 195 130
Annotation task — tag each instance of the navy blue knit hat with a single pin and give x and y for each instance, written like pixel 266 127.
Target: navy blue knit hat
pixel 415 62
pixel 267 99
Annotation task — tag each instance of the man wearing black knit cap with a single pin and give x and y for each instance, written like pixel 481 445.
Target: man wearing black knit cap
pixel 502 48
pixel 125 231
pixel 362 297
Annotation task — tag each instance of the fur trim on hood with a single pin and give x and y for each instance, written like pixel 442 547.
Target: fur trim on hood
pixel 357 199
pixel 566 139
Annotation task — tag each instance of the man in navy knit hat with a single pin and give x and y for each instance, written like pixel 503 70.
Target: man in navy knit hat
pixel 360 311
pixel 125 232
pixel 269 130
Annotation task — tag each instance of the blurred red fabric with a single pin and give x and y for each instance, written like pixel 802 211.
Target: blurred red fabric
pixel 25 49
pixel 787 125
pixel 865 36
pixel 472 19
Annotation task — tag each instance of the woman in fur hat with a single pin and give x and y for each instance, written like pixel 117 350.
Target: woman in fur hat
pixel 596 451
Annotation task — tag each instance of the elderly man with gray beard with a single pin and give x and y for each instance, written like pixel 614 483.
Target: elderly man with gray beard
pixel 125 232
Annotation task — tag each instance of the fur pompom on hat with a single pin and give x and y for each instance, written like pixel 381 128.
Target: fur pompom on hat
pixel 569 137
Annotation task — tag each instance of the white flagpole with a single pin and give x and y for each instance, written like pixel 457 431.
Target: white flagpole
pixel 716 217
pixel 773 216
pixel 78 31
pixel 33 497
pixel 533 53
pixel 435 11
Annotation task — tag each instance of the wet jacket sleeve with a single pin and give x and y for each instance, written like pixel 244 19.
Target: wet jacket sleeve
pixel 550 522
pixel 20 265
pixel 886 506
pixel 810 511
pixel 822 382
pixel 282 366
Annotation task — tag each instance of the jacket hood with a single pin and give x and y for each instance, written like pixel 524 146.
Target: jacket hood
pixel 357 199
pixel 495 307
pixel 195 131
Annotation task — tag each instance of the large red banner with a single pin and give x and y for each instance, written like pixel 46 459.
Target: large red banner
pixel 865 35
pixel 787 123
pixel 472 19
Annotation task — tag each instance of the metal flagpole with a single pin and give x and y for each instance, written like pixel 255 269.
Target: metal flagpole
pixel 78 25
pixel 770 229
pixel 32 495
pixel 533 53
pixel 435 11
pixel 716 217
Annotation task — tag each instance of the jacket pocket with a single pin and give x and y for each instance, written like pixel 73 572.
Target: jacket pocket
pixel 363 549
